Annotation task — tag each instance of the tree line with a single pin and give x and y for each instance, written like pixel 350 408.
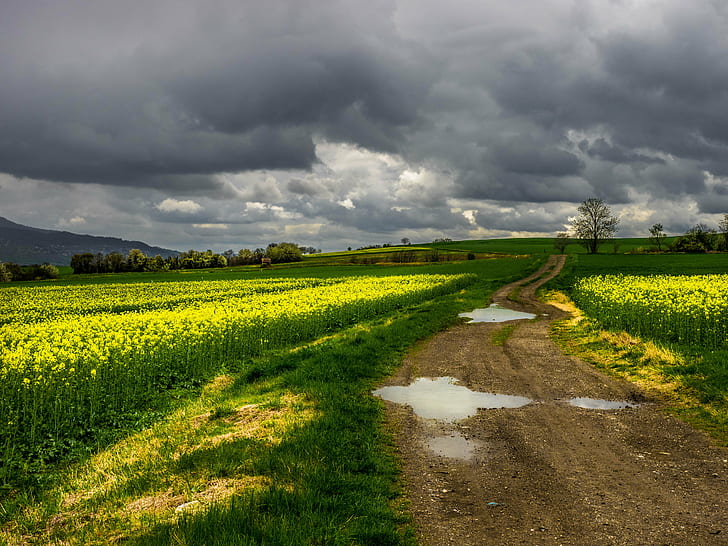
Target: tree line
pixel 137 261
pixel 10 271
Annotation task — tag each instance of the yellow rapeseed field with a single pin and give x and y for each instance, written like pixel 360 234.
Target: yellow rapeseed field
pixel 690 309
pixel 71 356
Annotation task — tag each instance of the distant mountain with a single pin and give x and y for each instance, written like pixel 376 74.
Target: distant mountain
pixel 28 245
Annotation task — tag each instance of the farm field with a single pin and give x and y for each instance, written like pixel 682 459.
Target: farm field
pixel 659 320
pixel 138 392
pixel 400 255
pixel 235 403
pixel 687 309
pixel 73 358
pixel 541 245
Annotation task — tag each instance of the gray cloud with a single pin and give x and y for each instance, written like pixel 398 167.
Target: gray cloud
pixel 208 96
pixel 305 187
pixel 339 119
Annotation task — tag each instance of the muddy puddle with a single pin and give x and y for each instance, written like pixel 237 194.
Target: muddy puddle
pixel 495 313
pixel 593 403
pixel 455 446
pixel 443 401
pixel 440 398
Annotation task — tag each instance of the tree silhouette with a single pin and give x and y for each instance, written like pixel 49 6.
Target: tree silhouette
pixel 657 235
pixel 594 225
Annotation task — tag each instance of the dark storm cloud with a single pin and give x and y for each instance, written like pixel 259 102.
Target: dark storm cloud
pixel 545 161
pixel 243 88
pixel 601 149
pixel 367 117
pixel 654 88
pixel 376 217
pixel 513 219
pixel 304 187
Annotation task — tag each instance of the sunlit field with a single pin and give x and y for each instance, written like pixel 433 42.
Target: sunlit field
pixel 72 357
pixel 690 309
pixel 157 408
pixel 660 320
pixel 241 393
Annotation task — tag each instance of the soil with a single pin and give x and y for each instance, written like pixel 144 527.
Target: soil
pixel 549 472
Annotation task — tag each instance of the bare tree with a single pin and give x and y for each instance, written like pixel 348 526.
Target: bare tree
pixel 595 224
pixel 657 235
pixel 723 227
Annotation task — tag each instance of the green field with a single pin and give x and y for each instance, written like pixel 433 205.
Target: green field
pixel 314 464
pixel 227 439
pixel 541 245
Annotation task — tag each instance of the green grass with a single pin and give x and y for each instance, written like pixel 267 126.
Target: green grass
pixel 584 265
pixel 511 246
pixel 318 266
pixel 292 450
pixel 692 379
pixel 692 382
pixel 539 245
pixel 499 337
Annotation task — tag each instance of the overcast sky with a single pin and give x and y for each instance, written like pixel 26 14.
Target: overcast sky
pixel 229 124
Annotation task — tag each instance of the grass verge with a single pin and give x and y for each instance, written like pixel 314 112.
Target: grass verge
pixel 691 382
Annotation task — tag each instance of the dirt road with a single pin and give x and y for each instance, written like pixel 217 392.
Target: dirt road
pixel 549 472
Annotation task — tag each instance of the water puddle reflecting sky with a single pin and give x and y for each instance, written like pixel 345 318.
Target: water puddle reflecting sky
pixel 495 313
pixel 441 399
pixel 592 403
pixel 455 446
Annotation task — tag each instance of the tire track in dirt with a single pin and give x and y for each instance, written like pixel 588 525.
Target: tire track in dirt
pixel 548 472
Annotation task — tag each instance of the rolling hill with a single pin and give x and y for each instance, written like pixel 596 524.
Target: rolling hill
pixel 28 245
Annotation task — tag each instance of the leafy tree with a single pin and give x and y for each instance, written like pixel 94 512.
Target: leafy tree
pixel 245 257
pixel 136 260
pixel 82 263
pixel 595 224
pixel 156 263
pixel 48 271
pixel 698 239
pixel 283 252
pixel 688 244
pixel 190 259
pixel 405 241
pixel 657 236
pixel 5 275
pixel 16 272
pixel 114 262
pixel 29 272
pixel 561 241
pixel 704 234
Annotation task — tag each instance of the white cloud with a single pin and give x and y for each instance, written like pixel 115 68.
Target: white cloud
pixel 74 221
pixel 173 205
pixel 210 226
